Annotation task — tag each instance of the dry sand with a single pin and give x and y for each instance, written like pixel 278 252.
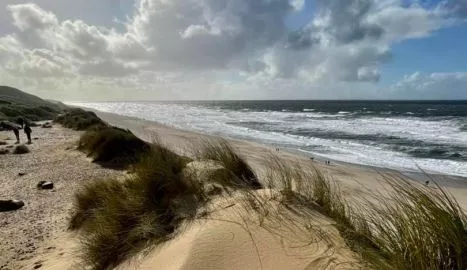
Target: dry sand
pixel 235 236
pixel 37 233
pixel 52 158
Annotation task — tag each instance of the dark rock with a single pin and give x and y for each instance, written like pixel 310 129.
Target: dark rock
pixel 45 185
pixel 36 138
pixel 21 174
pixel 10 205
pixel 37 266
pixel 39 185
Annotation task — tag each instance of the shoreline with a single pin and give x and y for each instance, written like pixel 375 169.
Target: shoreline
pixel 417 175
pixel 357 180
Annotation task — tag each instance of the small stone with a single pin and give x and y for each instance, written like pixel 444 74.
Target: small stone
pixel 21 174
pixel 10 205
pixel 45 185
pixel 39 185
pixel 37 266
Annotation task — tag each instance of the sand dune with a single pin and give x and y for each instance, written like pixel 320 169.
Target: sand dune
pixel 235 238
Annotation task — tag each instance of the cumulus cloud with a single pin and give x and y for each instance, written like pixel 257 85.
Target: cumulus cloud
pixel 432 86
pixel 208 34
pixel 249 40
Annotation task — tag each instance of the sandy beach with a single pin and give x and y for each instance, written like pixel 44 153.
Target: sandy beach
pixel 355 179
pixel 37 235
pixel 25 234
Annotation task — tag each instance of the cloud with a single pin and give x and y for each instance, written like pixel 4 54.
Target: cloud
pixel 432 86
pixel 208 34
pixel 457 7
pixel 345 21
pixel 402 23
pixel 219 44
pixel 28 16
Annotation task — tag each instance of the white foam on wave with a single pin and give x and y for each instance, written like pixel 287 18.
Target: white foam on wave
pixel 220 121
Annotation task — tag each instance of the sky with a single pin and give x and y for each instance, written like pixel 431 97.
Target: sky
pixel 115 50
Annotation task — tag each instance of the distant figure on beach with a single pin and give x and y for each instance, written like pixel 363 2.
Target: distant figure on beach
pixel 20 121
pixel 312 158
pixel 27 131
pixel 427 183
pixel 7 125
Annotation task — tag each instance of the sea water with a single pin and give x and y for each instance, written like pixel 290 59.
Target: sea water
pixel 404 135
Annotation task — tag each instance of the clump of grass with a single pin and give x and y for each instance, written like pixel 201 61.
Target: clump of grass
pixel 79 119
pixel 112 146
pixel 4 151
pixel 242 175
pixel 416 227
pixel 419 228
pixel 21 149
pixel 119 218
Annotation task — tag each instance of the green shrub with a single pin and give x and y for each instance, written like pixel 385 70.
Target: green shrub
pixel 119 218
pixel 112 146
pixel 21 149
pixel 79 119
pixel 13 111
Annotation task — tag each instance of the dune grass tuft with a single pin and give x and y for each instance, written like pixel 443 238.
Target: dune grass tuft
pixel 112 146
pixel 21 149
pixel 221 151
pixel 79 119
pixel 415 227
pixel 118 218
pixel 419 228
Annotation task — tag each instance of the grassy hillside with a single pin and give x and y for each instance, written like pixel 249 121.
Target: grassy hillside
pixel 15 103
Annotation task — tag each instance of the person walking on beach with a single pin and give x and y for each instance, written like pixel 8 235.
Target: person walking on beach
pixel 7 125
pixel 20 121
pixel 27 131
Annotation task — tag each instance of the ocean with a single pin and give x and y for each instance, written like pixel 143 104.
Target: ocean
pixel 403 135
